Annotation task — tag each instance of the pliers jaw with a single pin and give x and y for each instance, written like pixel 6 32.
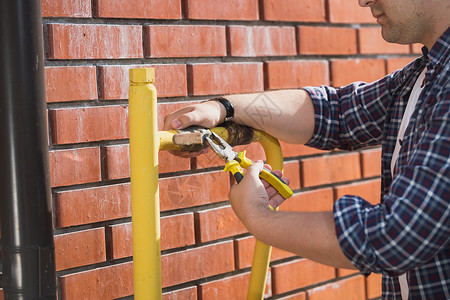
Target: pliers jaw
pixel 221 147
pixel 235 162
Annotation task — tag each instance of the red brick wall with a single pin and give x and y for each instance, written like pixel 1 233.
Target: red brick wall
pixel 249 46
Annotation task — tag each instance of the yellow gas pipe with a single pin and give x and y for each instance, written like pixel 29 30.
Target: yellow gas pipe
pixel 145 142
pixel 144 145
pixel 261 256
pixel 274 157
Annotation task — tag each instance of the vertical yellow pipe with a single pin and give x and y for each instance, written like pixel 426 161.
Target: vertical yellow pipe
pixel 261 256
pixel 144 147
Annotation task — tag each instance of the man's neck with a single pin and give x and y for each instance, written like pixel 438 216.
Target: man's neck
pixel 434 36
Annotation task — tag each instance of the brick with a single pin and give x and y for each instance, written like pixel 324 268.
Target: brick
pixel 76 41
pixel 222 9
pixel 397 63
pixel 121 243
pixel 261 40
pixel 92 205
pixel 371 42
pixel 245 248
pixel 373 286
pixel 416 49
pixel 177 231
pixel 296 296
pixel 289 74
pixel 330 169
pixel 69 8
pixel 70 83
pixel 310 201
pixel 79 248
pixel 344 11
pixel 170 80
pixel 351 288
pixel 138 9
pixel 74 166
pixel 193 190
pixel 102 283
pixel 345 272
pixel 217 223
pixel 292 150
pixel 369 190
pixel 278 254
pixel 234 287
pixel 184 41
pixel 367 70
pixel 371 162
pixel 226 78
pixel 294 10
pixel 88 124
pixel 298 274
pixel 292 171
pixel 327 40
pixel 116 161
pixel 197 263
pixel 186 293
pixel 120 240
pixel 171 163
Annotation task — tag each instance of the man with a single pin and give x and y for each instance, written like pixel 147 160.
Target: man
pixel 406 237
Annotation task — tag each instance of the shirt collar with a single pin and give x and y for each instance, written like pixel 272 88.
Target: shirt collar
pixel 439 51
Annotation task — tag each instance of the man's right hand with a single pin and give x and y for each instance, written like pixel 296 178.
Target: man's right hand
pixel 206 114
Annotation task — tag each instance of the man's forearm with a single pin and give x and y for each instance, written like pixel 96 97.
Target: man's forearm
pixel 310 235
pixel 286 114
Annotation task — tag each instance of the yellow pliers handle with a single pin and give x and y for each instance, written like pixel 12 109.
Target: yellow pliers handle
pixel 242 161
pixel 235 168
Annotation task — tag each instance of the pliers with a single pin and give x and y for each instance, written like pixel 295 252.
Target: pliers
pixel 236 161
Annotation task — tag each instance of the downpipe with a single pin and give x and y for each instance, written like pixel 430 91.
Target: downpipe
pixel 28 259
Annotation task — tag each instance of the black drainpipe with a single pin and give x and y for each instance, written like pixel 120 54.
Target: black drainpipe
pixel 25 206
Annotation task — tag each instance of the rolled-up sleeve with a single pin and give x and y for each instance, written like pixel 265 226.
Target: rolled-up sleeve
pixel 348 118
pixel 352 116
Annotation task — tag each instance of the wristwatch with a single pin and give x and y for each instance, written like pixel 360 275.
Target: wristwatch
pixel 229 108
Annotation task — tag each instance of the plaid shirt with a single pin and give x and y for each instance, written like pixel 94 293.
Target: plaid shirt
pixel 409 231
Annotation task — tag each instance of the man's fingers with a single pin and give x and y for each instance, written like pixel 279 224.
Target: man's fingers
pixel 186 120
pixel 268 167
pixel 271 191
pixel 276 201
pixel 254 169
pixel 206 114
pixel 171 121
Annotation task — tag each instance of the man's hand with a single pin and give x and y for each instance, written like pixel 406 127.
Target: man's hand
pixel 206 114
pixel 251 198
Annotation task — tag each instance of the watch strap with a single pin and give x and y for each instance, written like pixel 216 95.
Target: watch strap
pixel 229 108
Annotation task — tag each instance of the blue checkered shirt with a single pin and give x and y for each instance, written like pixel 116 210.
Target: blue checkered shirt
pixel 409 231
